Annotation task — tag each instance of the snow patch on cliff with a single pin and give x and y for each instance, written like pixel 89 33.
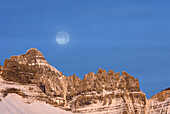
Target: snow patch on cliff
pixel 13 104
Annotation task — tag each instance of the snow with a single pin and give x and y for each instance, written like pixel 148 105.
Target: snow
pixel 13 104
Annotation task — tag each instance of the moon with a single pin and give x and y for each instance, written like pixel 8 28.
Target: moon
pixel 62 37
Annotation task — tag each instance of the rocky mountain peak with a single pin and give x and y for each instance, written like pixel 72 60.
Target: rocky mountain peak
pixel 89 76
pixel 111 72
pixel 34 51
pixel 124 73
pixel 32 57
pixel 26 67
pixel 101 72
pixel 103 91
pixel 161 96
pixel 159 103
pixel 167 89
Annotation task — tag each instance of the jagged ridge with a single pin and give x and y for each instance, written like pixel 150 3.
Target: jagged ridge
pixel 102 91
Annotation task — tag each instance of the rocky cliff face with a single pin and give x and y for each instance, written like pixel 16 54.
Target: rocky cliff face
pixel 32 68
pixel 101 92
pixel 159 103
pixel 107 92
pixel 1 70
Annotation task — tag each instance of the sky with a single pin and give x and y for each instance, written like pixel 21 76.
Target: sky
pixel 126 35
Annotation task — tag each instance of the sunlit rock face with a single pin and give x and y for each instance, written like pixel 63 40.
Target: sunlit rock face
pixel 33 68
pixel 103 92
pixel 107 92
pixel 159 103
pixel 32 56
pixel 1 70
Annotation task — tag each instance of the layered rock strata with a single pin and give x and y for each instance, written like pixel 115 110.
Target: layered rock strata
pixel 104 91
pixel 159 103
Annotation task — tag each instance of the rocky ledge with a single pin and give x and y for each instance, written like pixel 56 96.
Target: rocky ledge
pixel 104 91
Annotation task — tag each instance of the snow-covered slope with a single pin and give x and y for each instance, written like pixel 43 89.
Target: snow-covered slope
pixel 25 99
pixel 13 104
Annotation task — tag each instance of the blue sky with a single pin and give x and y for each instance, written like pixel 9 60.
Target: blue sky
pixel 128 35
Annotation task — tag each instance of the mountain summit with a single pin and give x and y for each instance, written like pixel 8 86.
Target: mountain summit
pixel 32 77
pixel 32 56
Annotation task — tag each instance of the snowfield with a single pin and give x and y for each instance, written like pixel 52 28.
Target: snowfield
pixel 13 104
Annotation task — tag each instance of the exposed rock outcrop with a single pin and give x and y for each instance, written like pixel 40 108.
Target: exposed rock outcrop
pixel 108 92
pixel 159 103
pixel 101 92
pixel 32 68
pixel 1 70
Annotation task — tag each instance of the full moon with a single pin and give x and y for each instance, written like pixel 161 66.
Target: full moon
pixel 62 37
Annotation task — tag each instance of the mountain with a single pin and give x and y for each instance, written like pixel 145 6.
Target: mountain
pixel 35 80
pixel 159 103
pixel 13 104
